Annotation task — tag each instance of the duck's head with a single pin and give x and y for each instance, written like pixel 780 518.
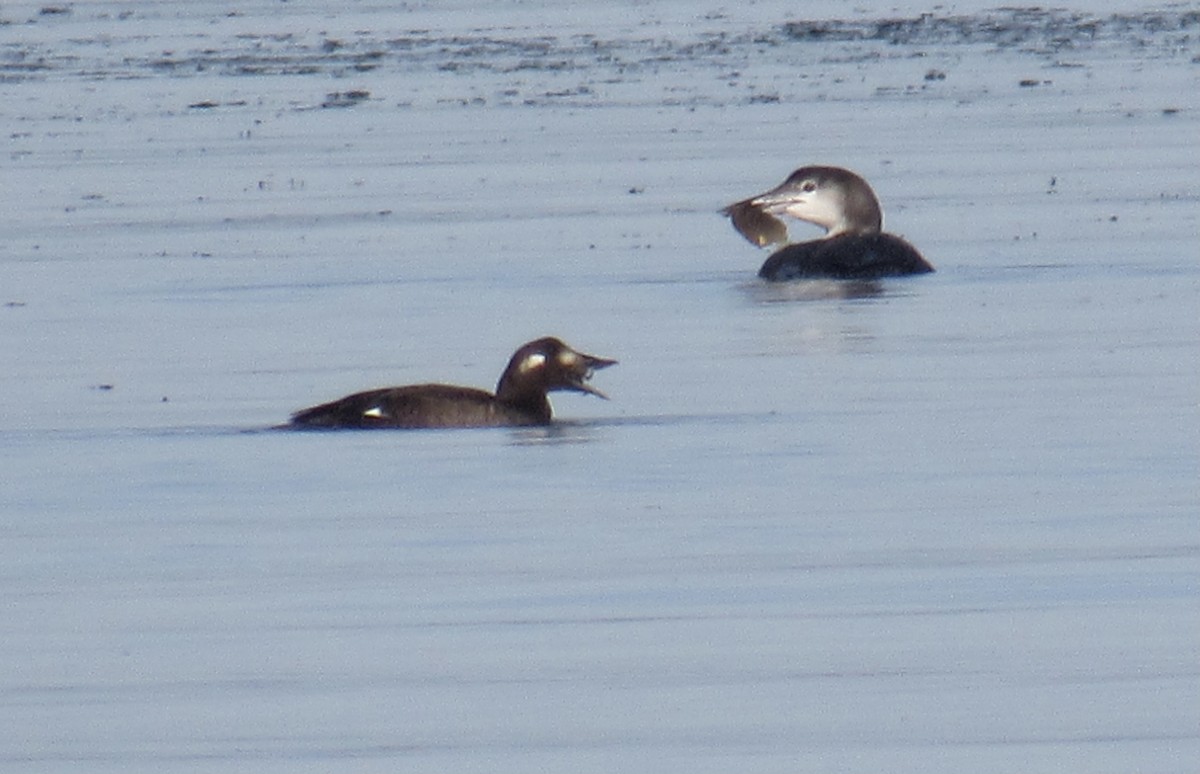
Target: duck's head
pixel 547 365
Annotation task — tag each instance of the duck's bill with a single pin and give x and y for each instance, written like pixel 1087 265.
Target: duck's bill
pixel 582 371
pixel 753 221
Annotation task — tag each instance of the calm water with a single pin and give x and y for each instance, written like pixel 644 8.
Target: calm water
pixel 950 526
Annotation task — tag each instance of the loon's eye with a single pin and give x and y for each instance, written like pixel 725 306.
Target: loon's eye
pixel 808 186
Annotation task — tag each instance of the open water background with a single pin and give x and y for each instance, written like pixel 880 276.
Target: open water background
pixel 951 526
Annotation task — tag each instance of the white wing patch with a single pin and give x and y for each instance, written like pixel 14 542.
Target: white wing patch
pixel 375 412
pixel 536 360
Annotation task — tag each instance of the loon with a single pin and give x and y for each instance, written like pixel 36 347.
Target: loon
pixel 535 369
pixel 854 246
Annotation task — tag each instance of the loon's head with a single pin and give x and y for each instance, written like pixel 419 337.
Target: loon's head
pixel 833 198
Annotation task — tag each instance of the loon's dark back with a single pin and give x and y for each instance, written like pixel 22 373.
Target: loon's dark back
pixel 849 256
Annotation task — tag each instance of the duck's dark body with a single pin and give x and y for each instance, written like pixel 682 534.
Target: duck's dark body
pixel 855 246
pixel 850 256
pixel 422 405
pixel 535 369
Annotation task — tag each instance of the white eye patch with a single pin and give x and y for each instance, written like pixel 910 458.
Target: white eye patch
pixel 567 359
pixel 536 360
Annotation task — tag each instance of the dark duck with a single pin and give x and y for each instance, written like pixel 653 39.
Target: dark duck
pixel 854 247
pixel 535 369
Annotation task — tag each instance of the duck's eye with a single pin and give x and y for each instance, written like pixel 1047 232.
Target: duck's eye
pixel 536 360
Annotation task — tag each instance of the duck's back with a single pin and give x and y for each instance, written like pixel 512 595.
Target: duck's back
pixel 415 406
pixel 850 256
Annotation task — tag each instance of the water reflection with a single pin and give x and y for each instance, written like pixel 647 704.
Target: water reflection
pixel 811 290
pixel 554 434
pixel 574 431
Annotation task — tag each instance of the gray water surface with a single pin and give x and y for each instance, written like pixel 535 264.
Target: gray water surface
pixel 947 525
